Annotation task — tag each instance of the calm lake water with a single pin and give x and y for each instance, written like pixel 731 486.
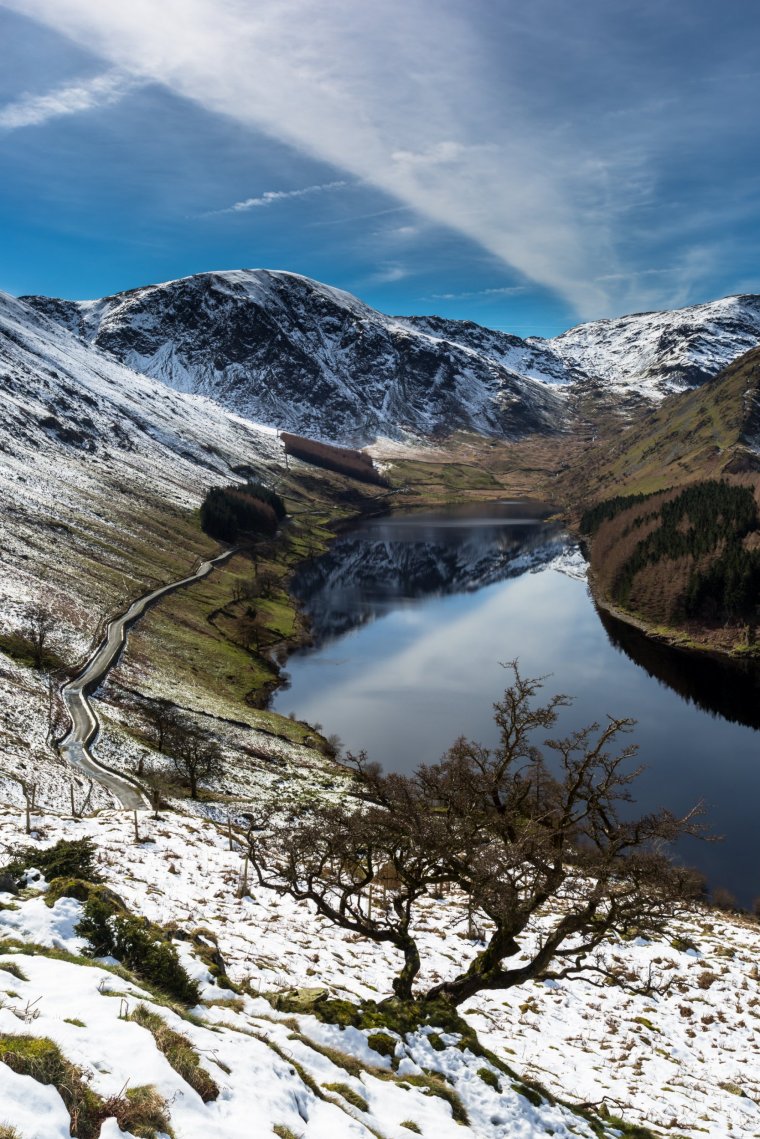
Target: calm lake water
pixel 413 613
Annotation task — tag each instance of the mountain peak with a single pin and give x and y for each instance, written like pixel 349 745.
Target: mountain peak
pixel 283 349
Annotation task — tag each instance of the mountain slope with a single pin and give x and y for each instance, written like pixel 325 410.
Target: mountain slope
pixel 687 1054
pixel 700 434
pixel 288 351
pixel 291 352
pixel 659 352
pixel 101 471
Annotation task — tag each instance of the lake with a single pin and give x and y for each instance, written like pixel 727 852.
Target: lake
pixel 413 613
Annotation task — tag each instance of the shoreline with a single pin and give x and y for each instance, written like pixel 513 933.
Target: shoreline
pixel 681 640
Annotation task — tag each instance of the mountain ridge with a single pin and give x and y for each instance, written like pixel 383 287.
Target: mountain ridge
pixel 285 350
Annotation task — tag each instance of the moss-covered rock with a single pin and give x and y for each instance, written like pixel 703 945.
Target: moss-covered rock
pixel 301 1000
pixel 83 891
pixel 382 1043
pixel 398 1016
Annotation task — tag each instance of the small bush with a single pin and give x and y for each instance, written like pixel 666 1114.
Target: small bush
pixel 410 1125
pixel 8 1132
pixel 67 859
pixel 178 1051
pixel 143 1112
pixel 138 944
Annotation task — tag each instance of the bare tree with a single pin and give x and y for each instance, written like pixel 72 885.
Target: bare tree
pixel 252 630
pixel 196 755
pixel 159 785
pixel 539 848
pixel 268 582
pixel 164 719
pixel 39 623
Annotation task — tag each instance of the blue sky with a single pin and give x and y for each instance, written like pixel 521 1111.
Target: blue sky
pixel 524 165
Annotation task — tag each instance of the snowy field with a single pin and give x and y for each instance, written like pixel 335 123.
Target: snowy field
pixel 685 1063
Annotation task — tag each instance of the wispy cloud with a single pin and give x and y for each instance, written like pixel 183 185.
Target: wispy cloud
pixel 569 181
pixel 389 274
pixel 72 99
pixel 499 291
pixel 269 197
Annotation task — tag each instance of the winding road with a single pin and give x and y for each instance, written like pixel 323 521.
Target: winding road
pixel 75 746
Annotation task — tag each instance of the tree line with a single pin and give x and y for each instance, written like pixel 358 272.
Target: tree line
pixel 234 513
pixel 707 524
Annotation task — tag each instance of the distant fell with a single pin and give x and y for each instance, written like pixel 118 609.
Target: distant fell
pixel 296 354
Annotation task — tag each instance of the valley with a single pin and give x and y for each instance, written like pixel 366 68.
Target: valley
pixel 379 613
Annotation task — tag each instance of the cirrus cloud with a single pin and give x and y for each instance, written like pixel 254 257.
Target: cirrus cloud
pixel 70 99
pixel 552 135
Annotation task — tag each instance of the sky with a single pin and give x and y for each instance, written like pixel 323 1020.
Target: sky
pixel 524 165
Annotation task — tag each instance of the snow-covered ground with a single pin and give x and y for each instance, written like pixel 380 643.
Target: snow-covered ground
pixel 684 1063
pixel 654 353
pixel 99 466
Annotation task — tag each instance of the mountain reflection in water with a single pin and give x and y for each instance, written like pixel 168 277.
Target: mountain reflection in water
pixel 386 562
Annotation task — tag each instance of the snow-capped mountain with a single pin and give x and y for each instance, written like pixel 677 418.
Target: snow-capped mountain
pixel 655 353
pixel 288 351
pixel 285 350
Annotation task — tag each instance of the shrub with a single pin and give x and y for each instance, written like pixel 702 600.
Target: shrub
pixel 67 859
pixel 142 1111
pixel 139 944
pixel 178 1051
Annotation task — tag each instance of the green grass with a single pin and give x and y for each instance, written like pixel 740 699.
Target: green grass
pixel 690 436
pixel 349 1095
pixel 178 1051
pixel 441 476
pixel 40 1058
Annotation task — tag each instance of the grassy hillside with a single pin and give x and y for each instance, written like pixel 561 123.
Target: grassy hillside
pixel 701 434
